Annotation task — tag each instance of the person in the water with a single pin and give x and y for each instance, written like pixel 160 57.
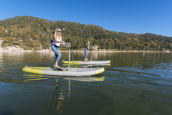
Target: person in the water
pixel 85 50
pixel 57 40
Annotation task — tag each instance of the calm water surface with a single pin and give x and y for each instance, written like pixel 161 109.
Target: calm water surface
pixel 133 84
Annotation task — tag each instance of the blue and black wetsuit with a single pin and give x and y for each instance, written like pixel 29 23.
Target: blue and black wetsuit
pixel 85 50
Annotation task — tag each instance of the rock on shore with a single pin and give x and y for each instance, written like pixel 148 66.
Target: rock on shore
pixel 12 48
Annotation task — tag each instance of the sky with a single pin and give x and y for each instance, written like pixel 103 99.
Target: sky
pixel 129 16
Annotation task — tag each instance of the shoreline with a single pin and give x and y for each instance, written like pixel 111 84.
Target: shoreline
pixel 17 48
pixel 49 50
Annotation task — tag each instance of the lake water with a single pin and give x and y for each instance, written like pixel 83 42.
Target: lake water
pixel 133 84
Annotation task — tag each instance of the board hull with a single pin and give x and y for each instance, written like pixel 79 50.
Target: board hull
pixel 70 72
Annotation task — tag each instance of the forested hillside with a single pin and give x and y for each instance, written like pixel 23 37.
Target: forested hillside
pixel 33 32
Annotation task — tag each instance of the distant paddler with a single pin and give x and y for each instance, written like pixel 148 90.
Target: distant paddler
pixel 87 47
pixel 57 40
pixel 86 61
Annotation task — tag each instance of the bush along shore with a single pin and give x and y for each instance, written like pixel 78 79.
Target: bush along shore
pixel 18 48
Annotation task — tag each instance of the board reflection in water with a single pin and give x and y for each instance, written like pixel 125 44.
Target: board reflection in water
pixel 62 92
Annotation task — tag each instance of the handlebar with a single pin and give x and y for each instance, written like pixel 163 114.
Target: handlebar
pixel 65 43
pixel 68 44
